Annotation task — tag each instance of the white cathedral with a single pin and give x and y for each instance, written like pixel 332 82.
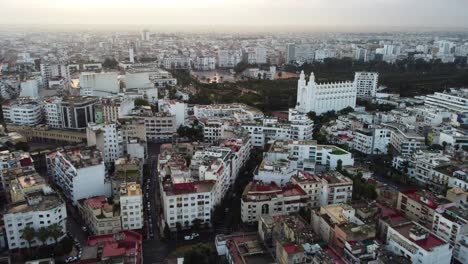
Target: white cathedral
pixel 321 98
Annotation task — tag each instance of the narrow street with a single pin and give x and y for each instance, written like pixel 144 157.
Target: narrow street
pixel 155 249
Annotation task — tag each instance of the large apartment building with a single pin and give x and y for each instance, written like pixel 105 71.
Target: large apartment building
pixel 79 172
pixel 32 204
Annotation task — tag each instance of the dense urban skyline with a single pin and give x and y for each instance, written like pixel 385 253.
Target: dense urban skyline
pixel 335 14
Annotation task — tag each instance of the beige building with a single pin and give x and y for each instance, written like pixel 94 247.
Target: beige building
pixel 131 206
pixel 126 170
pixel 44 133
pixel 420 206
pixel 99 215
pixel 133 128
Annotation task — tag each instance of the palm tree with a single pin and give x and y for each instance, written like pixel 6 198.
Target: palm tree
pixel 55 231
pixel 28 234
pixel 43 234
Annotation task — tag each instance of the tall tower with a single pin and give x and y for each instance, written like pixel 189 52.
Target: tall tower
pixel 131 53
pixel 301 102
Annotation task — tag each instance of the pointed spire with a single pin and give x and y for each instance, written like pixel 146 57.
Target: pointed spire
pixel 302 76
pixel 312 77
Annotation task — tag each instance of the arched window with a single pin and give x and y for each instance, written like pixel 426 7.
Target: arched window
pixel 265 209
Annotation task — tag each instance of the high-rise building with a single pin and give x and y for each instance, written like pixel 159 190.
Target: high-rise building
pixel 145 35
pixel 131 54
pixel 290 52
pixel 51 70
pixel 107 137
pixel 366 83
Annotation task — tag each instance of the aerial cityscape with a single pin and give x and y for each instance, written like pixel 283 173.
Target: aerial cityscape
pixel 234 132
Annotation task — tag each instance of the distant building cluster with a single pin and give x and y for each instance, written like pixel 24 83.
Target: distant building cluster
pixel 102 131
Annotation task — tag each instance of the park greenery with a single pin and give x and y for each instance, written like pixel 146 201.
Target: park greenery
pixel 110 63
pixel 141 102
pixel 407 77
pixel 200 254
pixel 193 132
pixel 58 248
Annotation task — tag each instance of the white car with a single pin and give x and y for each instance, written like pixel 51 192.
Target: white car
pixel 191 237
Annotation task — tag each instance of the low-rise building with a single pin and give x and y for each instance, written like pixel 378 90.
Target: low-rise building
pixel 261 198
pixel 416 243
pixel 99 215
pixel 123 246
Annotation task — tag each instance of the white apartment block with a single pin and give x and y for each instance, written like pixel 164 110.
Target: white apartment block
pixel 414 242
pixel 22 112
pixel 79 172
pixel 212 130
pixel 372 140
pixel 176 108
pixel 299 127
pixel 53 112
pixel 40 211
pixel 424 163
pixel 107 137
pixel 321 55
pixel 32 203
pixel 240 112
pixel 204 63
pixel 176 62
pixel 215 164
pixel 366 83
pixel 185 202
pixel 284 158
pixel 261 198
pixel 404 139
pixel 452 226
pixel 99 84
pixel 455 100
pixel 321 98
pixel 229 58
pixel 51 70
pixel 325 188
pixel 131 206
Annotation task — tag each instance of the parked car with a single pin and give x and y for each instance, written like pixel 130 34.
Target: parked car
pixel 192 236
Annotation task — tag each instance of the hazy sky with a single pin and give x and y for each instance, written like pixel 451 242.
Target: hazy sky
pixel 305 13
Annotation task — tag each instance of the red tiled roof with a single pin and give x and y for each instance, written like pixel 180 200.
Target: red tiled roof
pixel 26 162
pixel 430 242
pixel 95 202
pixel 291 248
pixel 258 186
pixel 122 243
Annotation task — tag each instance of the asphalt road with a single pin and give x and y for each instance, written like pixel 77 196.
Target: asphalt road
pixel 155 250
